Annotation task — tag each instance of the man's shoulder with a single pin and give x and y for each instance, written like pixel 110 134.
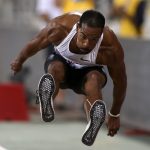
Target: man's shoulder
pixel 59 27
pixel 108 32
pixel 109 36
pixel 66 20
pixel 111 49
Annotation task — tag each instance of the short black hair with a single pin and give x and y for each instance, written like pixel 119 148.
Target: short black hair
pixel 92 18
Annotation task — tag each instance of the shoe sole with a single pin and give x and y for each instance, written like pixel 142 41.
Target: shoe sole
pixel 97 118
pixel 46 89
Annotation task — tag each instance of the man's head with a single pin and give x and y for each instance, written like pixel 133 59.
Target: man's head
pixel 93 19
pixel 90 28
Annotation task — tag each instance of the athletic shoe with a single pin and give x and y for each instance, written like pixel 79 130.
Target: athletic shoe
pixel 97 117
pixel 46 89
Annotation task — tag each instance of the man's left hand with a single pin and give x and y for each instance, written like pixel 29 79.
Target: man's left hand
pixel 113 125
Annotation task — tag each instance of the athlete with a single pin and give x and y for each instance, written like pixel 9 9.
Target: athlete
pixel 83 45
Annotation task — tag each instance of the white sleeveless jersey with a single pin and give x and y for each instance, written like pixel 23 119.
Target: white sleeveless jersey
pixel 79 60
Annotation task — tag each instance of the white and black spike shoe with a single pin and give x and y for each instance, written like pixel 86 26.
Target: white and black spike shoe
pixel 97 118
pixel 46 88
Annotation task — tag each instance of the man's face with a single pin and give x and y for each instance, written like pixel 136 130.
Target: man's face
pixel 87 37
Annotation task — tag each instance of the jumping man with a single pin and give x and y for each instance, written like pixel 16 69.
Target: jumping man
pixel 83 45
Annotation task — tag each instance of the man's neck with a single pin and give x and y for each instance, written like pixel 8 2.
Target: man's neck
pixel 73 46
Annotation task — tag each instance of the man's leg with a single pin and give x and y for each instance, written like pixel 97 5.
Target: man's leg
pixel 49 87
pixel 57 70
pixel 95 107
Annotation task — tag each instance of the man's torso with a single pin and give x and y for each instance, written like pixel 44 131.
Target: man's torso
pixel 64 24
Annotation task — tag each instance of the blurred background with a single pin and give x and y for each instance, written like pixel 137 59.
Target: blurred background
pixel 20 21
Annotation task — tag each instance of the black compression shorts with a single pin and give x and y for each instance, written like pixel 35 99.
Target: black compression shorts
pixel 74 77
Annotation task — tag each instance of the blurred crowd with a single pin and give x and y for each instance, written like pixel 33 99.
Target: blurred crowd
pixel 128 18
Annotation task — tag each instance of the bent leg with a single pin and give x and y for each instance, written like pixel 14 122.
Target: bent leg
pixel 57 70
pixel 48 89
pixel 95 107
pixel 92 88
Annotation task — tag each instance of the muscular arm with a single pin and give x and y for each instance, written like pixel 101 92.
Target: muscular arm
pixel 35 45
pixel 117 72
pixel 53 33
pixel 118 75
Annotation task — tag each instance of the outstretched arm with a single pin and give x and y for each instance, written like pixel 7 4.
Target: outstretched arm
pixel 38 43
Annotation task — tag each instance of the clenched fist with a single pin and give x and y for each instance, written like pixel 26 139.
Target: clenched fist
pixel 16 66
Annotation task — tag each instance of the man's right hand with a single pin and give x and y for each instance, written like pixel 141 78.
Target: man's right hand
pixel 16 66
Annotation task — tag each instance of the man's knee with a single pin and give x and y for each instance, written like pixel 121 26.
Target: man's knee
pixel 57 69
pixel 94 81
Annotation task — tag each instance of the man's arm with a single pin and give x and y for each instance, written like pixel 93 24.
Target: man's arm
pixel 38 43
pixel 118 75
pixel 117 72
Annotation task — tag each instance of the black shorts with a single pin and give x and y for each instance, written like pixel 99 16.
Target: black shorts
pixel 74 77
